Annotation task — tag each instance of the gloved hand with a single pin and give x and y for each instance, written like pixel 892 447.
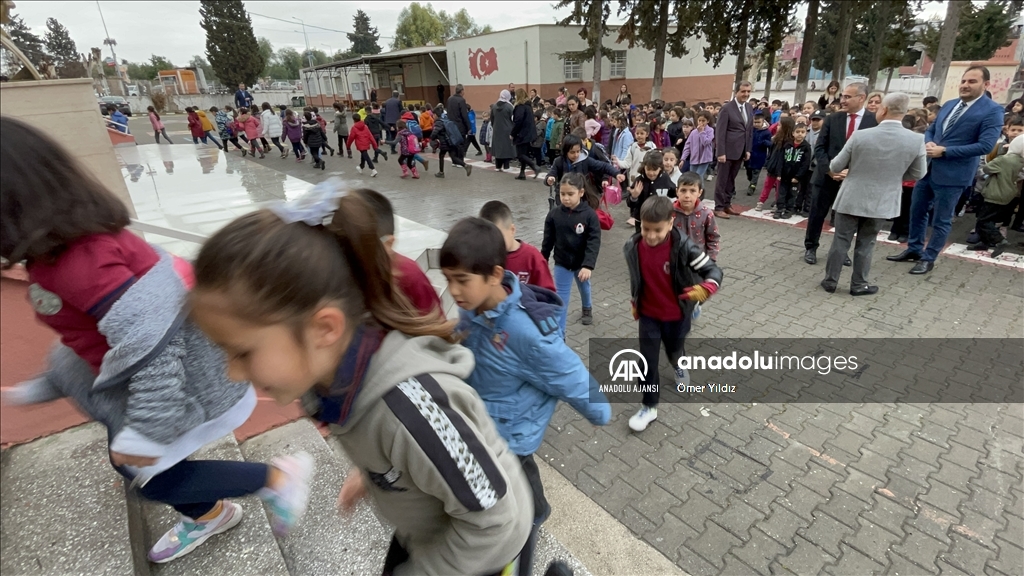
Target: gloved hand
pixel 699 292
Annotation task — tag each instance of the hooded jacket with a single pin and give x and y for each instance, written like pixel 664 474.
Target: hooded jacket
pixel 688 265
pixel 195 125
pixel 250 125
pixel 1002 186
pixel 341 123
pixel 762 143
pixel 293 129
pixel 437 468
pixel 313 133
pixel 523 366
pixel 575 236
pixel 585 164
pixel 360 136
pixel 699 147
pixel 270 124
pixel 660 186
pixel 162 389
pixel 204 121
pixel 223 122
pixel 700 226
pixel 635 157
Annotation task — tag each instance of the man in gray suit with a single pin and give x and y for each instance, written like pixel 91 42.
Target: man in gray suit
pixel 872 165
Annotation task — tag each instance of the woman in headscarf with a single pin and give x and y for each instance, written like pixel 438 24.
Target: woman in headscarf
pixel 501 127
pixel 524 131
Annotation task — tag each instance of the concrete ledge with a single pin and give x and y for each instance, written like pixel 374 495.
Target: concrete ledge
pixel 596 539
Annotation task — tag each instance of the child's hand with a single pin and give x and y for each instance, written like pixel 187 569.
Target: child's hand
pixel 128 460
pixel 584 274
pixel 699 292
pixel 621 178
pixel 631 221
pixel 550 181
pixel 352 491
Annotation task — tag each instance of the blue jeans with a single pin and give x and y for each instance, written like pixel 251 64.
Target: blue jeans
pixel 564 279
pixel 937 202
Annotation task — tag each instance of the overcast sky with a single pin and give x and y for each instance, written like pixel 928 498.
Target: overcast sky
pixel 171 29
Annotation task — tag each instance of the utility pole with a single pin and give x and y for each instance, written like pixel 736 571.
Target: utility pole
pixel 111 42
pixel 309 53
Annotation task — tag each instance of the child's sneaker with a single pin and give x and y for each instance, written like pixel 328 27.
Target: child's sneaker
pixel 188 533
pixel 759 207
pixel 373 173
pixel 642 419
pixel 359 169
pixel 682 378
pixel 287 502
pixel 469 169
pixel 696 312
pixel 588 317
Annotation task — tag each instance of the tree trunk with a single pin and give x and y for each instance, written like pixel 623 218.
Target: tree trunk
pixel 888 79
pixel 946 42
pixel 884 8
pixel 768 77
pixel 804 71
pixel 661 41
pixel 842 41
pixel 741 49
pixel 597 36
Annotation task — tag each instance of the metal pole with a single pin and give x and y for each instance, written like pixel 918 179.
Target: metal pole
pixel 110 42
pixel 309 53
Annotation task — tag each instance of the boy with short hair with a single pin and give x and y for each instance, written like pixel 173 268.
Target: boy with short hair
pixel 409 278
pixel 523 260
pixel 696 220
pixel 762 144
pixel 652 181
pixel 523 367
pixel 668 274
pixel 554 136
pixel 1013 126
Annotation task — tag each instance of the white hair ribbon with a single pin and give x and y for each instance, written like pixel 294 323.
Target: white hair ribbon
pixel 314 206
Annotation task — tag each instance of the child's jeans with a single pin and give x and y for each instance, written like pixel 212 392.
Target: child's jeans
pixel 298 148
pixel 193 487
pixel 700 169
pixel 770 182
pixel 315 152
pixel 653 334
pixel 364 159
pixel 753 175
pixel 564 279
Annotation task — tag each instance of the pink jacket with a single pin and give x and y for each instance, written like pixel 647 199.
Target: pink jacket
pixel 155 121
pixel 699 147
pixel 251 126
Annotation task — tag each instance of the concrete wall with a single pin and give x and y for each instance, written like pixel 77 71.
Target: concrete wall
pixel 67 111
pixel 528 57
pixel 178 102
pixel 1002 78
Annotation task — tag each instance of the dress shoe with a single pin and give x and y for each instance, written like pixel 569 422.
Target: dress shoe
pixel 721 214
pixel 922 267
pixel 810 256
pixel 733 211
pixel 905 256
pixel 830 288
pixel 892 237
pixel 903 239
pixel 847 261
pixel 864 291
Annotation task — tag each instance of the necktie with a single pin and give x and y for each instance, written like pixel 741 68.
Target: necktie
pixel 954 116
pixel 743 112
pixel 850 127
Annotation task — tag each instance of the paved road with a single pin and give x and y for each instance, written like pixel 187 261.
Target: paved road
pixel 777 488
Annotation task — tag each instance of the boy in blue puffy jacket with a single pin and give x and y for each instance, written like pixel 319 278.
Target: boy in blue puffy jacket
pixel 762 143
pixel 523 366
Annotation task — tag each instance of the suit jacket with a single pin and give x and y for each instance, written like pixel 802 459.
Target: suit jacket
pixel 974 135
pixel 734 138
pixel 880 160
pixel 830 142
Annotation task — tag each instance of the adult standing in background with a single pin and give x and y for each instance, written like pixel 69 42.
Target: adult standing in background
pixel 392 113
pixel 734 139
pixel 373 95
pixel 440 93
pixel 622 95
pixel 831 96
pixel 501 130
pixel 836 130
pixel 874 164
pixel 243 99
pixel 964 130
pixel 524 131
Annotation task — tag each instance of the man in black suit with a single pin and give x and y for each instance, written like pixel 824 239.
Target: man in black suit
pixel 834 133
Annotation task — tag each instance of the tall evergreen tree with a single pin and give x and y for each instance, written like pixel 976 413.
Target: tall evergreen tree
pixel 29 44
pixel 363 36
pixel 981 31
pixel 59 43
pixel 231 45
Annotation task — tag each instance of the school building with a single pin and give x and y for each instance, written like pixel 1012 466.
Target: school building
pixel 528 57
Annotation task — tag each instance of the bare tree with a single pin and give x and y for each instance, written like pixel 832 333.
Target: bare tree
pixel 804 71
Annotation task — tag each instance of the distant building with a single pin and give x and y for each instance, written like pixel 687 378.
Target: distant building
pixel 183 80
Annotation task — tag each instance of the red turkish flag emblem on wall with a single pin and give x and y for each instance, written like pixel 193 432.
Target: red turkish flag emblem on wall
pixel 482 64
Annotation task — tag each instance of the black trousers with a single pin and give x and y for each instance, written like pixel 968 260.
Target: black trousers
pixel 653 335
pixel 786 200
pixel 989 216
pixel 725 183
pixel 901 223
pixel 821 205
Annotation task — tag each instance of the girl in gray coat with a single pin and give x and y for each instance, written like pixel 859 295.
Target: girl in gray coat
pixel 129 356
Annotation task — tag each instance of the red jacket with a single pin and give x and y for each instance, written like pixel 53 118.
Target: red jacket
pixel 360 135
pixel 195 126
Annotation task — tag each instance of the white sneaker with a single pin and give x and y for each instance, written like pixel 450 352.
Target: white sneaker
pixel 188 533
pixel 287 503
pixel 373 173
pixel 359 169
pixel 759 207
pixel 642 419
pixel 682 378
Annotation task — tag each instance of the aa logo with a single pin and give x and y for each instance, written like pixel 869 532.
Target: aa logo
pixel 625 365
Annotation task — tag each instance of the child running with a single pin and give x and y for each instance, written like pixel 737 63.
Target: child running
pixel 341 128
pixel 249 125
pixel 523 366
pixel 696 220
pixel 308 310
pixel 573 232
pixel 408 146
pixel 315 137
pixel 129 356
pixel 293 131
pixel 361 136
pixel 158 126
pixel 271 127
pixel 668 273
pixel 523 260
pixel 223 122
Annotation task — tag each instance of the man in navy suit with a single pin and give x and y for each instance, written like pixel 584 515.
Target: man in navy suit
pixel 963 131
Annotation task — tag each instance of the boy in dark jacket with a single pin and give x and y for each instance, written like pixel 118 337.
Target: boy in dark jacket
pixel 762 143
pixel 376 126
pixel 796 162
pixel 668 274
pixel 652 182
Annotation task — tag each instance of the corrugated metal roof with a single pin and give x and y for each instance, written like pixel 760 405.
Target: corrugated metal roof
pixel 419 50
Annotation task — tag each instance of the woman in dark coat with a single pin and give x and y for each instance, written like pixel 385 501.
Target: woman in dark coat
pixel 831 95
pixel 524 131
pixel 501 128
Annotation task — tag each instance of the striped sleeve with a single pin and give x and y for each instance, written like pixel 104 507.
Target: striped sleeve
pixel 448 441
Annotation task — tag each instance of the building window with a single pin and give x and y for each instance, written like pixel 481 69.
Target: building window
pixel 571 69
pixel 618 67
pixel 384 80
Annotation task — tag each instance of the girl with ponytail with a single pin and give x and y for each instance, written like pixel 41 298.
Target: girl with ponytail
pixel 302 300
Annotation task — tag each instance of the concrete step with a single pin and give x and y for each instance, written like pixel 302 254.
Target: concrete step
pixel 62 508
pixel 324 542
pixel 248 548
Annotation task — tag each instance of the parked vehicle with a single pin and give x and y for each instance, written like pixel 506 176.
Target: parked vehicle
pixel 133 89
pixel 122 105
pixel 282 86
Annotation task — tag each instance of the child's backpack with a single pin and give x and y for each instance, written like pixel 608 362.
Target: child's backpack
pixel 414 127
pixel 455 137
pixel 612 192
pixel 412 143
